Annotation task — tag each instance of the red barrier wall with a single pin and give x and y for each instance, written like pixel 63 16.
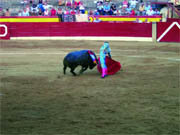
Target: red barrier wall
pixel 173 35
pixel 81 29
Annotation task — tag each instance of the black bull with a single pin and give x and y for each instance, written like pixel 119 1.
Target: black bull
pixel 81 58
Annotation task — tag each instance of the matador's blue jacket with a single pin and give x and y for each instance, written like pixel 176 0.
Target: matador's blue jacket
pixel 104 50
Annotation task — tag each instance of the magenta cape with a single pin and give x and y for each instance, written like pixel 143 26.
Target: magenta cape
pixel 112 66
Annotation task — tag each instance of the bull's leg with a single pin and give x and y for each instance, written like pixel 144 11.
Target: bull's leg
pixel 64 69
pixel 83 69
pixel 72 71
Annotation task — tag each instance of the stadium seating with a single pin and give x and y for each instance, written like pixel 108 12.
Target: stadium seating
pixel 16 5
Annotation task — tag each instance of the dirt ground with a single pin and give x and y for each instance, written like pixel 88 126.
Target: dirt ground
pixel 141 99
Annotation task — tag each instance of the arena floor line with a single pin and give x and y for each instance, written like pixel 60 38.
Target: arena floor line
pixel 90 38
pixel 97 50
pixel 130 56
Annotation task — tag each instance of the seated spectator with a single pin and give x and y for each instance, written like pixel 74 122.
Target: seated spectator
pixel 40 6
pixel 117 12
pixel 82 8
pixel 60 14
pixel 77 4
pixel 34 10
pixel 154 6
pixel 40 12
pixel 133 3
pixel 78 12
pixel 7 13
pixel 147 7
pixel 91 12
pixel 66 12
pixel 68 16
pixel 156 12
pixel 53 12
pixel 124 11
pixel 40 2
pixel 128 10
pixel 1 12
pixel 100 8
pixel 113 9
pixel 150 12
pixel 25 12
pixel 20 13
pixel 73 12
pixel 125 4
pixel 142 9
pixel 69 3
pixel 47 6
pixel 96 13
pixel 133 12
pixel 46 12
pixel 107 9
pixel 27 8
pixel 59 11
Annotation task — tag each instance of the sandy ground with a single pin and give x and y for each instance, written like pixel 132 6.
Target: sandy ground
pixel 36 98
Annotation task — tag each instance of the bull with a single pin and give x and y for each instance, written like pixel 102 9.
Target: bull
pixel 83 58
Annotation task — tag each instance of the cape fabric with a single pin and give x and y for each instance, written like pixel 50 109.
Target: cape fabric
pixel 112 66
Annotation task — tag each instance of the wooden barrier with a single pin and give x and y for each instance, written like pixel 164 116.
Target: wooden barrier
pixel 127 31
pixel 81 29
pixel 168 32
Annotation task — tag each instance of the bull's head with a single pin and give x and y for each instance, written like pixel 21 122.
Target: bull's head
pixel 93 59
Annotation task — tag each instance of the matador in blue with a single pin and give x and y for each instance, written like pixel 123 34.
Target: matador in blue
pixel 104 50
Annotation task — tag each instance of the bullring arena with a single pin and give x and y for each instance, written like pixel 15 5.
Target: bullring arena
pixel 36 98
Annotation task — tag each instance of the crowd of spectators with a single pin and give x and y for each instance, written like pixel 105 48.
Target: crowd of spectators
pixel 73 7
pixel 31 8
pixel 6 13
pixel 127 7
pixel 43 8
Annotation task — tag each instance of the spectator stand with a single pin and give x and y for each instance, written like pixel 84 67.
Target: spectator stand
pixel 90 6
pixel 172 8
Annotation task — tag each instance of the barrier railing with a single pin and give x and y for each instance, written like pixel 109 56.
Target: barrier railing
pixel 91 18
